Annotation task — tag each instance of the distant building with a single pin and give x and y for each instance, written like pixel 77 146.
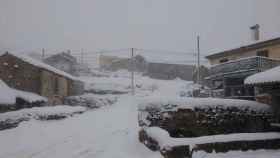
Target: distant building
pixel 113 63
pixel 170 71
pixel 156 70
pixel 230 68
pixel 28 74
pixel 63 61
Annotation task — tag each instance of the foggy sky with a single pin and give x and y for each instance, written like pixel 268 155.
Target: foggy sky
pixel 30 25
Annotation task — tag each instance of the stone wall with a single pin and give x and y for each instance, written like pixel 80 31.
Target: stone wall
pixel 209 121
pixel 188 151
pixel 19 75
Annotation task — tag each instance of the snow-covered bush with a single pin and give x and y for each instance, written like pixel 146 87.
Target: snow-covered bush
pixel 13 118
pixel 91 100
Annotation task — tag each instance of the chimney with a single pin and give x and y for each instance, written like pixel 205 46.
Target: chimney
pixel 255 32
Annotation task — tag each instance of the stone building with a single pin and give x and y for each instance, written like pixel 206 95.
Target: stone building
pixel 230 68
pixel 114 63
pixel 27 74
pixel 63 61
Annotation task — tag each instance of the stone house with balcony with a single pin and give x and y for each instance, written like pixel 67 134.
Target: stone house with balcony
pixel 230 68
pixel 27 74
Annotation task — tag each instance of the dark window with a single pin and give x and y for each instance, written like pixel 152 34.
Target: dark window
pixel 224 60
pixel 263 53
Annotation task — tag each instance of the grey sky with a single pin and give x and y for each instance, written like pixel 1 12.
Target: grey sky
pixel 29 25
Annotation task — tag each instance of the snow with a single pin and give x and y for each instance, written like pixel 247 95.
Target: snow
pixel 102 133
pixel 240 154
pixel 165 141
pixel 40 111
pixel 110 131
pixel 191 103
pixel 269 76
pixel 8 95
pixel 42 65
pixel 121 81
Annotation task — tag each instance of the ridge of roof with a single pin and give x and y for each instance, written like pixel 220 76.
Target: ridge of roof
pixel 256 45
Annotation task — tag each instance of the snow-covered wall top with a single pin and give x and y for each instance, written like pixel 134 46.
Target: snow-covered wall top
pixel 173 104
pixel 272 75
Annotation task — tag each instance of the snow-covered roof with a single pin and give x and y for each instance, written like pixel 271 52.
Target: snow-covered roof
pixel 63 55
pixel 269 76
pixel 8 95
pixel 42 65
pixel 173 104
pixel 247 46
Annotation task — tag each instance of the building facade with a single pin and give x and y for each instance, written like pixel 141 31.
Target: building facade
pixel 230 68
pixel 170 71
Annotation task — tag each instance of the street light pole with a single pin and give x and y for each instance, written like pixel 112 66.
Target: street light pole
pixel 132 72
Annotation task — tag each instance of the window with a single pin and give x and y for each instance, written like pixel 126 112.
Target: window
pixel 224 60
pixel 262 53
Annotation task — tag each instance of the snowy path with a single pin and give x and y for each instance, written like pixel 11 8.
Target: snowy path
pixel 105 133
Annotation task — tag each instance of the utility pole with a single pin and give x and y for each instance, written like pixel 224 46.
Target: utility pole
pixel 43 53
pixel 198 60
pixel 132 72
pixel 82 56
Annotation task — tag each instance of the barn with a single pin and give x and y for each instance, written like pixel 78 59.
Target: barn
pixel 25 73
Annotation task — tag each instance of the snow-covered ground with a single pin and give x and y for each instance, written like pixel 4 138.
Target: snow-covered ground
pixel 121 81
pixel 104 133
pixel 107 132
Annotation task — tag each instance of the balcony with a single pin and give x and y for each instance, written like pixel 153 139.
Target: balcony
pixel 245 66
